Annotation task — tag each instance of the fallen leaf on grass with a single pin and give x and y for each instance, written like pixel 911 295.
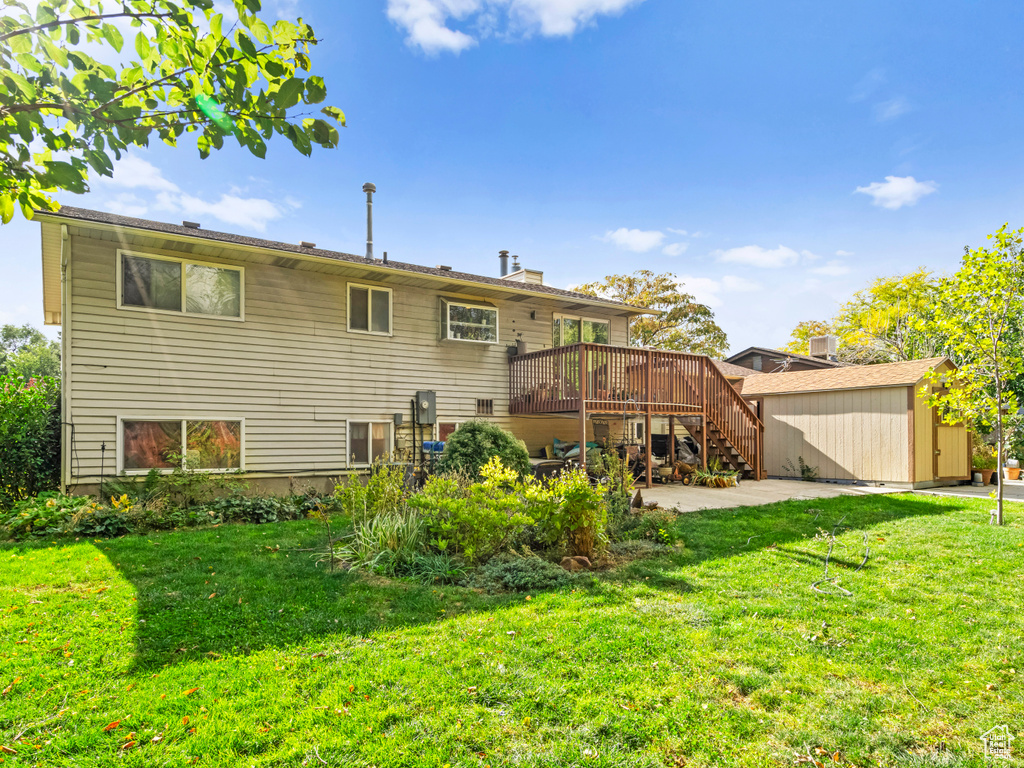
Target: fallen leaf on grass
pixel 129 744
pixel 14 682
pixel 112 726
pixel 212 595
pixel 158 738
pixel 184 720
pixel 8 750
pixel 190 691
pixel 318 655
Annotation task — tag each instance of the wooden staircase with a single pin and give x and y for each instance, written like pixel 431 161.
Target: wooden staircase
pixel 598 378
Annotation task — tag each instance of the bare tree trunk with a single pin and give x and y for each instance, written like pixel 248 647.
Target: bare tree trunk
pixel 999 452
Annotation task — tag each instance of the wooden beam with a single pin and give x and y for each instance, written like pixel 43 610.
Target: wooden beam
pixel 911 427
pixel 583 405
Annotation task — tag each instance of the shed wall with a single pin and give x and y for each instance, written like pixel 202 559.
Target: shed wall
pixel 847 434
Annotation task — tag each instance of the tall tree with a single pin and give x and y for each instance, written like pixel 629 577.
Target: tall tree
pixel 884 323
pixel 25 351
pixel 684 325
pixel 977 310
pixel 190 69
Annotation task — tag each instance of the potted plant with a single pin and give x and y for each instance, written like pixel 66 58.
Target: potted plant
pixel 984 461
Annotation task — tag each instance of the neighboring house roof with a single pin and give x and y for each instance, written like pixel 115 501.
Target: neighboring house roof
pixel 68 215
pixel 902 374
pixel 733 371
pixel 768 351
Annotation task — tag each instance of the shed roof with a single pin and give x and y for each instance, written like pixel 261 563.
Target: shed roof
pixel 903 374
pixel 69 214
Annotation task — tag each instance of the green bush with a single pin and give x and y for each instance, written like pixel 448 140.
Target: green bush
pixel 29 438
pixel 509 573
pixel 658 525
pixel 479 521
pixel 388 543
pixel 44 515
pixel 575 514
pixel 255 509
pixel 384 491
pixel 436 568
pixel 475 443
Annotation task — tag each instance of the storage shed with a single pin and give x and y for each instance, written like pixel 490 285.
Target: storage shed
pixel 862 423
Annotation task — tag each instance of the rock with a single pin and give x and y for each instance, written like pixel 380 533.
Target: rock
pixel 638 501
pixel 574 564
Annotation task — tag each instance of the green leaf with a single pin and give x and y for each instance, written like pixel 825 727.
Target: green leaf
pixel 142 46
pixel 6 208
pixel 324 134
pixel 288 93
pixel 260 31
pixel 245 44
pixel 316 91
pixel 113 36
pixel 336 113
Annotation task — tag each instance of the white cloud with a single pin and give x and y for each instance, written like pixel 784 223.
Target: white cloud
pixel 891 109
pixel 635 240
pixel 756 256
pixel 834 268
pixel 675 249
pixel 133 172
pixel 249 213
pixel 127 204
pixel 428 23
pixel 868 84
pixel 681 232
pixel 844 253
pixel 709 291
pixel 897 191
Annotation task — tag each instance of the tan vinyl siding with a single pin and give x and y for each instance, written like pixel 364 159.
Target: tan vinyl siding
pixel 923 439
pixel 847 435
pixel 291 369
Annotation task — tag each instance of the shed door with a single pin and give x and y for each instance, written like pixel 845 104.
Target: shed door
pixel 951 446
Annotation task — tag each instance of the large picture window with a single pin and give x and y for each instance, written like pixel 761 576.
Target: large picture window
pixel 368 441
pixel 572 330
pixel 469 322
pixel 176 285
pixel 207 444
pixel 369 309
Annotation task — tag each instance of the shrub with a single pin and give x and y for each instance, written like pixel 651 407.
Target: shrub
pixel 186 485
pixel 254 509
pixel 436 568
pixel 43 515
pixel 576 514
pixel 510 573
pixel 475 443
pixel 478 521
pixel 658 525
pixel 387 543
pixel 29 438
pixel 384 491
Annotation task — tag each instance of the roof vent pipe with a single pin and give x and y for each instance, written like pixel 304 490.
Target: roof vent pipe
pixel 503 260
pixel 369 189
pixel 515 264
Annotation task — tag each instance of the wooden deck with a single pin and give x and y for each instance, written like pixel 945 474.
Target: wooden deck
pixel 597 378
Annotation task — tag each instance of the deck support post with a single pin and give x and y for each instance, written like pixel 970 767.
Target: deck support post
pixel 703 416
pixel 583 406
pixel 648 440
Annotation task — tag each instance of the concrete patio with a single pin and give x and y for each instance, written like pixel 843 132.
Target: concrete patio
pixel 751 493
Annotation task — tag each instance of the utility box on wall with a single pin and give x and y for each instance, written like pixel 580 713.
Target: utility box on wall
pixel 426 407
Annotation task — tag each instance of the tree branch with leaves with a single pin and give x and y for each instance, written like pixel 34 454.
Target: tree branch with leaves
pixel 978 310
pixel 684 325
pixel 65 113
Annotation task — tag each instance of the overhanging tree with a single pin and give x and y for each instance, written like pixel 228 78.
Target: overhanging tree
pixel 685 324
pixel 190 69
pixel 978 310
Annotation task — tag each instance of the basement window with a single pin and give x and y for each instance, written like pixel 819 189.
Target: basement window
pixel 163 284
pixel 203 444
pixel 461 321
pixel 368 441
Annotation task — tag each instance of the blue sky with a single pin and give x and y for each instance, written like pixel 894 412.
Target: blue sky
pixel 775 156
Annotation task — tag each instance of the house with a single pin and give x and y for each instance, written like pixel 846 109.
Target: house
pixel 288 361
pixel 862 423
pixel 766 360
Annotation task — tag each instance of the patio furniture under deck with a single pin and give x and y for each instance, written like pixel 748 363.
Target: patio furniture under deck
pixel 602 379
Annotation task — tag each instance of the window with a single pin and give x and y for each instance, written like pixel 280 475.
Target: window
pixel 572 330
pixel 175 285
pixel 208 444
pixel 756 362
pixel 368 441
pixel 469 322
pixel 446 428
pixel 369 309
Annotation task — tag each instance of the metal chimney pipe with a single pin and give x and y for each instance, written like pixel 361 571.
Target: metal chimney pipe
pixel 503 260
pixel 515 264
pixel 369 189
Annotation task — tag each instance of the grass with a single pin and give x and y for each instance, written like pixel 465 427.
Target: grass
pixel 227 646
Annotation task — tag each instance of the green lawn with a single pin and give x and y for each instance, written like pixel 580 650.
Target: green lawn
pixel 227 646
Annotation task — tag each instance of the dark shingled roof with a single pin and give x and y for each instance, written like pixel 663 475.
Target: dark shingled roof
pixel 733 371
pixel 783 354
pixel 70 213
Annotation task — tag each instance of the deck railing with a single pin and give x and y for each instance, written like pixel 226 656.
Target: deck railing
pixel 607 379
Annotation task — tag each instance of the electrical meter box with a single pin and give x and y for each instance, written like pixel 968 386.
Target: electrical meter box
pixel 426 407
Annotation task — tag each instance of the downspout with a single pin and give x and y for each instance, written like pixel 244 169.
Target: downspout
pixel 66 422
